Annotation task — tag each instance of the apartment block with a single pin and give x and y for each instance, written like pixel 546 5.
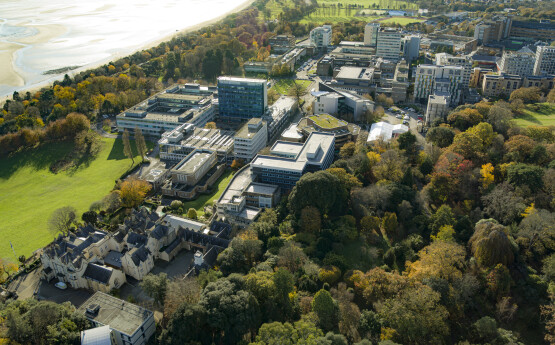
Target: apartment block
pixel 371 34
pixel 430 79
pixel 545 60
pixel 241 99
pixel 496 85
pixel 320 36
pixel 438 107
pixel 410 46
pixel 520 63
pixel 444 59
pixel 389 44
pixel 250 139
pixel 542 30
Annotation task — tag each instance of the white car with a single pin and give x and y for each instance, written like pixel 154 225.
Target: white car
pixel 61 285
pixel 399 116
pixel 406 118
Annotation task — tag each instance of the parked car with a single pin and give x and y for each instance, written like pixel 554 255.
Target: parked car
pixel 411 109
pixel 420 117
pixel 399 116
pixel 61 285
pixel 405 122
pixel 406 118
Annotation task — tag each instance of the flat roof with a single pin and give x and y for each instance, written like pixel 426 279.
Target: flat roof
pixel 181 96
pixel 261 188
pixel 193 162
pixel 327 121
pixel 120 315
pixel 242 80
pixel 348 72
pixel 97 336
pixel 287 148
pixel 238 183
pixel 246 132
pixel 292 133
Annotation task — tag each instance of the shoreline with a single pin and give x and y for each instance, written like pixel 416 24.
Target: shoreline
pixel 147 45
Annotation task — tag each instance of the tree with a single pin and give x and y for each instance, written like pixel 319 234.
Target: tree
pixel 490 244
pixel 231 311
pixel 187 325
pixel 291 257
pixel 503 204
pixel 273 96
pixel 310 220
pixel 237 164
pixel 500 116
pixel 443 216
pixel 322 190
pixel 329 274
pixel 445 234
pixel 526 94
pixel 180 291
pixel 416 316
pixel 210 125
pixel 487 175
pixel 348 181
pixel 347 150
pixel 525 175
pixel 390 167
pixel 297 90
pixel 61 220
pixel 390 225
pixel 89 217
pixel 140 143
pixel 440 136
pixel 155 286
pixel 111 202
pixel 133 191
pixel 326 309
pixel 192 213
pixel 407 142
pixel 486 328
pixel 441 259
pixel 127 146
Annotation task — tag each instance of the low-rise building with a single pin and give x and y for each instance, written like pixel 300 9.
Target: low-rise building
pixel 477 76
pixel 97 336
pixel 315 154
pixel 190 103
pixel 385 131
pixel 129 323
pixel 325 123
pixel 278 115
pixel 181 141
pixel 345 104
pixel 495 85
pixel 281 44
pixel 251 138
pixel 438 107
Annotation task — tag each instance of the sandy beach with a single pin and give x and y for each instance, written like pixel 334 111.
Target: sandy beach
pixel 36 48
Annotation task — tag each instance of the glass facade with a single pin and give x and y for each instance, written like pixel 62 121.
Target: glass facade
pixel 241 99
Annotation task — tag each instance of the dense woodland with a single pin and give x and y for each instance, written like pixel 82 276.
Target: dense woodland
pixel 448 241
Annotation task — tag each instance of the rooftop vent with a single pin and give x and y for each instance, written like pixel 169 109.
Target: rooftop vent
pixel 93 309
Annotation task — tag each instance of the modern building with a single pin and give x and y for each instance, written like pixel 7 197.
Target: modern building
pixel 250 139
pixel 495 29
pixel 389 44
pixel 495 85
pixel 281 44
pixel 410 46
pixel 289 161
pixel 181 141
pixel 520 63
pixel 278 115
pixel 477 76
pixel 325 123
pixel 438 107
pixel 338 102
pixel 241 99
pixel 194 174
pixel 320 36
pixel 371 34
pixel 543 30
pixel 189 103
pixel 356 79
pixel 545 60
pixel 292 134
pixel 431 78
pixel 129 323
pixel 444 59
pixel 457 44
pixel 97 336
pixel 385 131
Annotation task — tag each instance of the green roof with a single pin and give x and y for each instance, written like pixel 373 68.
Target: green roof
pixel 327 121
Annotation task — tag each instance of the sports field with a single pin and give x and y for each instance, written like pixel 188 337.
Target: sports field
pixel 30 192
pixel 541 114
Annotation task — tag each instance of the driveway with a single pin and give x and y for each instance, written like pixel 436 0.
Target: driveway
pixel 47 291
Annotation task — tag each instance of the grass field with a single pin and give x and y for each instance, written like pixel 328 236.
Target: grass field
pixel 207 199
pixel 282 86
pixel 30 192
pixel 542 114
pixel 401 20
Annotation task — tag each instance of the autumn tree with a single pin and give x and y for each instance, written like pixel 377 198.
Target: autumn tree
pixel 347 150
pixel 127 146
pixel 62 219
pixel 133 191
pixel 526 94
pixel 210 125
pixel 490 244
pixel 180 291
pixel 140 143
pixel 441 259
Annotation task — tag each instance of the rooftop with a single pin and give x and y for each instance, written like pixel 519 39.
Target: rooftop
pixel 292 133
pixel 286 149
pixel 120 315
pixel 385 131
pixel 241 80
pixel 96 336
pixel 327 121
pixel 348 72
pixel 193 162
pixel 261 188
pixel 238 183
pixel 249 129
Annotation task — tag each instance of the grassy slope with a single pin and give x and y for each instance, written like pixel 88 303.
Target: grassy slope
pixel 343 15
pixel 543 115
pixel 282 86
pixel 30 192
pixel 207 199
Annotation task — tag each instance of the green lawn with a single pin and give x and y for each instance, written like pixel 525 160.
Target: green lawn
pixel 207 199
pixel 401 20
pixel 282 86
pixel 30 192
pixel 542 114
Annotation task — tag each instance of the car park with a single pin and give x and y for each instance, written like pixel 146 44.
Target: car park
pixel 61 285
pixel 399 116
pixel 405 122
pixel 406 118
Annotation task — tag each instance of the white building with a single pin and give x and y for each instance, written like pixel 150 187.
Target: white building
pixel 129 323
pixel 385 131
pixel 371 34
pixel 545 61
pixel 519 63
pixel 465 61
pixel 411 47
pixel 250 139
pixel 389 44
pixel 320 36
pixel 438 106
pixel 431 78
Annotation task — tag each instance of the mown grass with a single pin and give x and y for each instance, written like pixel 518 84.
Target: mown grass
pixel 401 20
pixel 207 199
pixel 30 192
pixel 541 114
pixel 282 86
